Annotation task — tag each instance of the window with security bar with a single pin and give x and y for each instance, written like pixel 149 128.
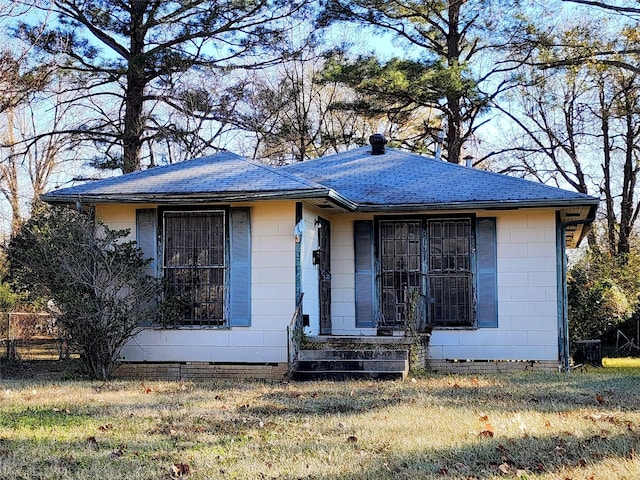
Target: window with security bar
pixel 400 270
pixel 194 266
pixel 442 281
pixel 449 272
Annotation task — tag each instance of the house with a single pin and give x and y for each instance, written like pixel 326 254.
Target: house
pixel 374 244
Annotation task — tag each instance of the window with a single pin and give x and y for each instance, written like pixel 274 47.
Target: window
pixel 205 258
pixel 440 272
pixel 400 268
pixel 194 265
pixel 449 272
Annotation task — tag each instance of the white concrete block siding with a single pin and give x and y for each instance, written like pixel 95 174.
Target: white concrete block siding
pixel 272 297
pixel 527 292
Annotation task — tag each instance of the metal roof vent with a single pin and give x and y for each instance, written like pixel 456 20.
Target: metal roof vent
pixel 377 142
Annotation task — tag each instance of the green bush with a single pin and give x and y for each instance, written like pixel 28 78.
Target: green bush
pixel 96 279
pixel 603 293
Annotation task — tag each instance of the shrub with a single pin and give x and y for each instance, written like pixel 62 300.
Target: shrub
pixel 96 279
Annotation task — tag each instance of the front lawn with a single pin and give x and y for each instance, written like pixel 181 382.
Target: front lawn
pixel 536 426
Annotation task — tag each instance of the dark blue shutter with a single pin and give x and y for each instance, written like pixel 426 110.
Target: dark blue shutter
pixel 146 233
pixel 365 273
pixel 240 268
pixel 487 263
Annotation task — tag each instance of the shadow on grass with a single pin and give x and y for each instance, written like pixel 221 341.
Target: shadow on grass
pixel 497 457
pixel 216 456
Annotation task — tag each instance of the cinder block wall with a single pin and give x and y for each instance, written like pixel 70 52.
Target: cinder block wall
pixel 196 370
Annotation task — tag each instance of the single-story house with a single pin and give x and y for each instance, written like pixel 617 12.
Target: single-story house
pixel 374 242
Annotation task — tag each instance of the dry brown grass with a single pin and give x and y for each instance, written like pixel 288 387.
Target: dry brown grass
pixel 534 426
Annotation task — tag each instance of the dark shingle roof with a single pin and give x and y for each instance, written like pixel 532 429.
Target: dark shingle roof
pixel 221 176
pixel 405 180
pixel 354 180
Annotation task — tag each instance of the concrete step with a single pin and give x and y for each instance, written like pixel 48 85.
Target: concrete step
pixel 353 365
pixel 346 375
pixel 360 354
pixel 340 364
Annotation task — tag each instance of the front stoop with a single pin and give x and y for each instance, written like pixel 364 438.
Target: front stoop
pixel 351 358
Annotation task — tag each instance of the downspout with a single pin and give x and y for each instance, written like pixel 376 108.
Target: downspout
pixel 563 297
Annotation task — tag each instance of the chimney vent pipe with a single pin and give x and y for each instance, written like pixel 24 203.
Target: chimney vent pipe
pixel 377 142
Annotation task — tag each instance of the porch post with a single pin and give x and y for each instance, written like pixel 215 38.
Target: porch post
pixel 563 303
pixel 298 256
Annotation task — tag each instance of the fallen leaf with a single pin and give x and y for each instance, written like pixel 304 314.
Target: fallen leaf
pixel 486 433
pixel 352 439
pixel 484 418
pixel 488 426
pixel 456 386
pixel 117 454
pixel 474 381
pixel 180 470
pixel 600 398
pixel 582 462
pixel 93 443
pixel 148 390
pixel 547 423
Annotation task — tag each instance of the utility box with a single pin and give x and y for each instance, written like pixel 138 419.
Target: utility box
pixel 588 351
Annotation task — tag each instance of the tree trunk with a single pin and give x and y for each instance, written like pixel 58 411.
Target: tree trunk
pixel 133 128
pixel 454 116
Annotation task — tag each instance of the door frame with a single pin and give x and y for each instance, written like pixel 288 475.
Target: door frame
pixel 324 275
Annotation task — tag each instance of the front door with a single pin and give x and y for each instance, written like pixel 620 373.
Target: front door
pixel 324 275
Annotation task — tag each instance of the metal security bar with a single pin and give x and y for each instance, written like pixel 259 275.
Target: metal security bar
pixel 449 272
pixel 194 266
pixel 400 269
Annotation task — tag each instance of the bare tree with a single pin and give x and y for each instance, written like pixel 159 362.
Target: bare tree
pixel 31 155
pixel 134 61
pixel 580 127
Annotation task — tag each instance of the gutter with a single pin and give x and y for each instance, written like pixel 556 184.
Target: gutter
pixel 205 197
pixel 484 205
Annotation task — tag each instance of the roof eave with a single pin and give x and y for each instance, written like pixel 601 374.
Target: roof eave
pixel 175 199
pixel 483 205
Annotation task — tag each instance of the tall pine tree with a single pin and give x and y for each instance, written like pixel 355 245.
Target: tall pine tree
pixel 134 63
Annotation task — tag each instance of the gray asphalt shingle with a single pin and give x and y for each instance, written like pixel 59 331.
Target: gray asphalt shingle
pixel 402 178
pixel 220 173
pixel 370 182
